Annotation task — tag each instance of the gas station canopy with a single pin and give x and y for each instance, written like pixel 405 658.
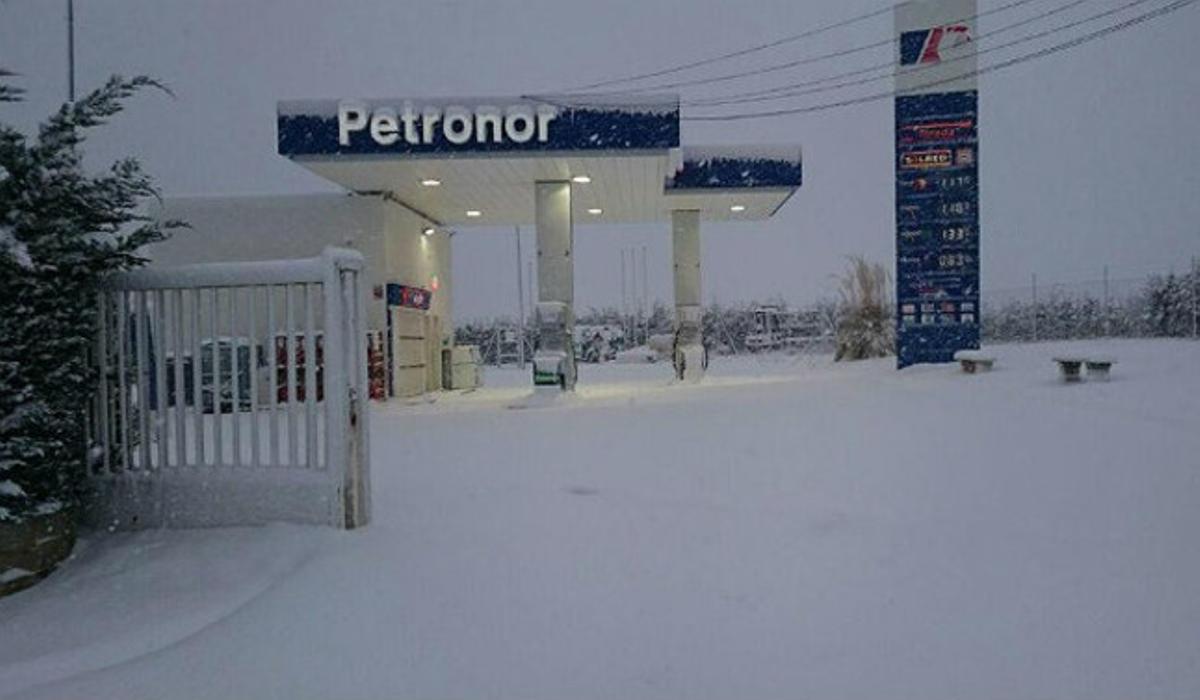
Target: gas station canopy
pixel 461 162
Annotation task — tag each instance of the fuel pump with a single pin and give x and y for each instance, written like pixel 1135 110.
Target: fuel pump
pixel 554 359
pixel 689 354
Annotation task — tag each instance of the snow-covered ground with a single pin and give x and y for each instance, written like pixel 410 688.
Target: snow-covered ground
pixel 787 529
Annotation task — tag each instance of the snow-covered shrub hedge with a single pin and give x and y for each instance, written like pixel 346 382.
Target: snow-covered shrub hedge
pixel 1161 307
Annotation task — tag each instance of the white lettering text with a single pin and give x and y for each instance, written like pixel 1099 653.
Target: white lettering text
pixel 516 124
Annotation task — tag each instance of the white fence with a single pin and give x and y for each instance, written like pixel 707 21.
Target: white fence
pixel 232 394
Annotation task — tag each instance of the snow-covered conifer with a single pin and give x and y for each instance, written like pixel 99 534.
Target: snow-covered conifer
pixel 62 230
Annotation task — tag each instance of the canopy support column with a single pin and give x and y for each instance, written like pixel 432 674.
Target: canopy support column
pixel 554 359
pixel 690 357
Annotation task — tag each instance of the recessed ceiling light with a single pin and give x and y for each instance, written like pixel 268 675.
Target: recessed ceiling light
pixel 595 211
pixel 581 179
pixel 431 182
pixel 474 213
pixel 738 207
pixel 428 231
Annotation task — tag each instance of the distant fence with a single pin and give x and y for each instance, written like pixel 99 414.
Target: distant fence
pixel 232 393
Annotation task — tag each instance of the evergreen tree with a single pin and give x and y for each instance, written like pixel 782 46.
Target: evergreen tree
pixel 62 230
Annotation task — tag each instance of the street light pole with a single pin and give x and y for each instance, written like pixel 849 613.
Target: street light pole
pixel 1195 297
pixel 1107 303
pixel 70 50
pixel 633 294
pixel 646 295
pixel 1035 306
pixel 520 300
pixel 624 321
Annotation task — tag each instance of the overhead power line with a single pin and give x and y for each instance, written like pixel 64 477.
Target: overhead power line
pixel 809 60
pixel 887 66
pixel 784 92
pixel 735 54
pixel 791 89
pixel 1042 53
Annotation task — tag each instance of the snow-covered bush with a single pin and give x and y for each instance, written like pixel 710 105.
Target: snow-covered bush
pixel 61 231
pixel 1161 306
pixel 1169 304
pixel 865 325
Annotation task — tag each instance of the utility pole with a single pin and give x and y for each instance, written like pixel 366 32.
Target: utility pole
pixel 623 323
pixel 520 300
pixel 71 51
pixel 1107 325
pixel 1035 308
pixel 645 295
pixel 1195 297
pixel 633 295
pixel 529 287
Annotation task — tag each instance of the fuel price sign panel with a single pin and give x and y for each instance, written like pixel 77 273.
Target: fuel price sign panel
pixel 937 226
pixel 937 181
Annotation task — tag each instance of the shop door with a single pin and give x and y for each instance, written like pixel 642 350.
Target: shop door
pixel 410 358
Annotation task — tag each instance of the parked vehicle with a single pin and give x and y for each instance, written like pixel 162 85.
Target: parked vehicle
pixel 214 393
pixel 281 364
pixel 777 329
pixel 220 393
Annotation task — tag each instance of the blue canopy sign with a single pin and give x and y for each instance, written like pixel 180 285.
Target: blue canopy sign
pixel 471 126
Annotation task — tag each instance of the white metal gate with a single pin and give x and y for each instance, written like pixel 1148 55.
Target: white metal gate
pixel 232 394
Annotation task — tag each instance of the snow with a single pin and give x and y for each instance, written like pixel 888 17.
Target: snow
pixel 789 153
pixel 637 355
pixel 617 103
pixel 972 355
pixel 9 487
pixel 18 249
pixel 787 528
pixel 226 274
pixel 10 575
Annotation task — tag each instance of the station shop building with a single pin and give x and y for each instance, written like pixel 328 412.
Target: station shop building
pixel 415 171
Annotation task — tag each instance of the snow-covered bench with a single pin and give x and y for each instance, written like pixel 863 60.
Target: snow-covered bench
pixel 1070 367
pixel 973 361
pixel 1097 367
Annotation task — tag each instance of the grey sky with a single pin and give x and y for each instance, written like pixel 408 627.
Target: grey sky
pixel 1087 158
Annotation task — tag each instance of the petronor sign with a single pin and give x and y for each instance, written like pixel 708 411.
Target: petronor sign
pixel 458 125
pixel 465 126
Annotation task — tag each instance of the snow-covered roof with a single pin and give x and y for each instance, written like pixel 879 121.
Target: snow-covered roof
pixel 737 167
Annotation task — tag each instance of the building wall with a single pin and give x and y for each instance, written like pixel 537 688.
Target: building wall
pixel 412 258
pixel 250 228
pixel 389 235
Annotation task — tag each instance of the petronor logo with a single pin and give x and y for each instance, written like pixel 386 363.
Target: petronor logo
pixel 926 45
